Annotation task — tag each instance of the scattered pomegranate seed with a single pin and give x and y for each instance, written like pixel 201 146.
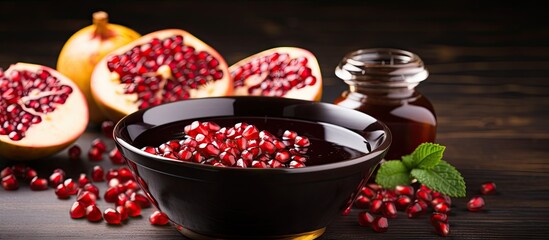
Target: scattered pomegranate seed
pixel 365 219
pixel 423 195
pixel 38 184
pixel 389 209
pixel 376 205
pixel 62 192
pixel 140 199
pixel 362 202
pixel 95 154
pixel 133 208
pixel 111 195
pixel 93 213
pixel 111 216
pixel 30 174
pixel 404 190
pixel 75 152
pixel 123 212
pixel 488 188
pixel 86 198
pixel 414 210
pixel 116 157
pixel 402 202
pixel 83 179
pixel 380 224
pixel 99 144
pixel 6 171
pixel 19 170
pixel 438 217
pixel 92 189
pixel 442 228
pixel 78 210
pixel 475 204
pixel 159 218
pixel 121 199
pixel 56 178
pixel 10 183
pixel 98 175
pixel 70 186
pixel 107 128
pixel 442 208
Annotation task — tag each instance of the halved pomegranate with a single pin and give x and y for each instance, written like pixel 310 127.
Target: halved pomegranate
pixel 160 67
pixel 283 72
pixel 41 112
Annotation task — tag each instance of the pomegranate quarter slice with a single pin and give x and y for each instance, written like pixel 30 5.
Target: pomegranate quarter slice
pixel 41 112
pixel 281 72
pixel 160 67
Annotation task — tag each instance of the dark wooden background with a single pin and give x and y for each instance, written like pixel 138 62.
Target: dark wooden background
pixel 489 66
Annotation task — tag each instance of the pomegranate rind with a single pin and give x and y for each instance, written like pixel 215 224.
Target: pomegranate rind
pixel 83 50
pixel 108 91
pixel 312 93
pixel 57 130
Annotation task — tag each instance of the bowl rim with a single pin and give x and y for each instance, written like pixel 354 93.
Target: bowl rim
pixel 380 149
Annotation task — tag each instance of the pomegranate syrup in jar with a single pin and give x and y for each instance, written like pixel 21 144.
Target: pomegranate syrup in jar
pixel 382 84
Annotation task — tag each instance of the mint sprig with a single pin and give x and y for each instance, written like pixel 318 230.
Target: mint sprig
pixel 425 165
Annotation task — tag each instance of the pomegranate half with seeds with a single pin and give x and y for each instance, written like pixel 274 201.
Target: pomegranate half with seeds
pixel 281 72
pixel 160 67
pixel 41 112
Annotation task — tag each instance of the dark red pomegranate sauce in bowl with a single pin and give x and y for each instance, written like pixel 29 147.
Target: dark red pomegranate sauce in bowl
pixel 251 167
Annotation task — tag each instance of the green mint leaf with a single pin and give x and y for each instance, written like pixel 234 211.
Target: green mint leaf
pixel 393 173
pixel 443 178
pixel 408 160
pixel 427 155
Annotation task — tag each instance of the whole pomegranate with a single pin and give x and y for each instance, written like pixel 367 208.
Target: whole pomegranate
pixel 85 48
pixel 41 112
pixel 289 72
pixel 160 67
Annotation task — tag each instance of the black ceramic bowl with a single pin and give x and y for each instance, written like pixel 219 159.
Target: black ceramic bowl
pixel 209 202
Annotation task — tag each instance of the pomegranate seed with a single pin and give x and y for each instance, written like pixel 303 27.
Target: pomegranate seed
pixel 475 204
pixel 296 164
pixel 158 218
pixel 380 224
pixel 86 198
pixel 488 188
pixel 112 216
pixel 71 186
pixel 121 199
pixel 95 154
pixel 124 174
pixel 107 128
pixel 140 199
pixel 19 170
pixel 404 190
pixel 131 185
pixel 150 150
pixel 362 202
pixel 442 208
pixel 133 208
pixel 365 219
pixel 99 144
pixel 402 202
pixel 123 212
pixel 62 192
pixel 111 195
pixel 346 212
pixel 375 187
pixel 98 174
pixel 111 173
pixel 414 210
pixel 92 189
pixel 10 183
pixel 282 156
pixel 442 228
pixel 5 172
pixel 437 200
pixel 78 210
pixel 289 135
pixel 56 178
pixel 250 132
pixel 38 184
pixel 83 179
pixel 93 214
pixel 30 174
pixel 389 209
pixel 75 152
pixel 423 205
pixel 438 217
pixel 376 205
pixel 116 157
pixel 368 192
pixel 423 195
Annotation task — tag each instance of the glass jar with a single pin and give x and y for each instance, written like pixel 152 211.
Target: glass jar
pixel 382 84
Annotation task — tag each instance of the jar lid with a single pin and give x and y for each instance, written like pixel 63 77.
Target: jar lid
pixel 381 67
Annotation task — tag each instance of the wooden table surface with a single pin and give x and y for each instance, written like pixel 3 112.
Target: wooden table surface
pixel 489 83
